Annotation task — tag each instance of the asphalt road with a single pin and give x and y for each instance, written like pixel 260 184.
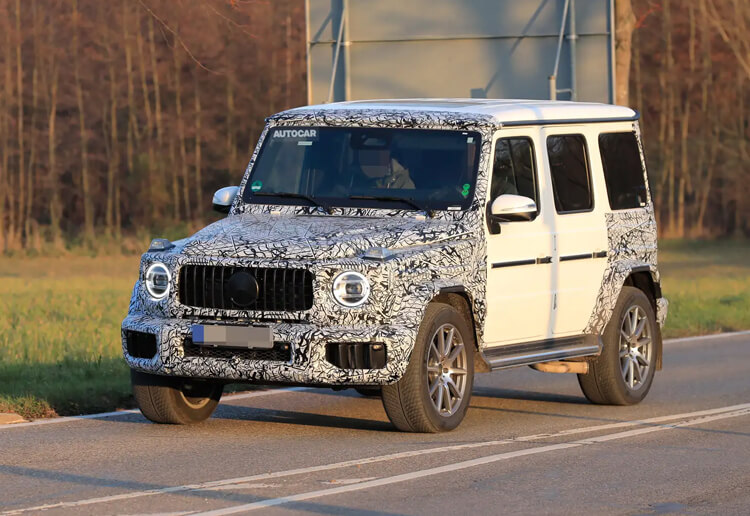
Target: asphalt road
pixel 531 444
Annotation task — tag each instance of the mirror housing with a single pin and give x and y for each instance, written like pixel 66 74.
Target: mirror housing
pixel 510 208
pixel 224 197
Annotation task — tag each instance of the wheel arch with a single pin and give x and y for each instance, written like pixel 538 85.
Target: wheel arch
pixel 461 299
pixel 645 279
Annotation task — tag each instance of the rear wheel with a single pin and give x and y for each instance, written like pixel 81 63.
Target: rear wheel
pixel 172 400
pixel 624 372
pixel 434 393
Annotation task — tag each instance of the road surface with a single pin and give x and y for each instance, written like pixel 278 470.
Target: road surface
pixel 530 444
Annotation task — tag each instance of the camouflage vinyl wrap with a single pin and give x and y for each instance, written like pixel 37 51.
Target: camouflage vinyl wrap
pixel 428 256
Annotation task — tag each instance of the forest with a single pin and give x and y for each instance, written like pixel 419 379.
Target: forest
pixel 121 118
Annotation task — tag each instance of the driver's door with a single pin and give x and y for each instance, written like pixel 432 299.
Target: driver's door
pixel 519 254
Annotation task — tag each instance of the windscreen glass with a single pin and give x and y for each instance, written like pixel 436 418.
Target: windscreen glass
pixel 366 167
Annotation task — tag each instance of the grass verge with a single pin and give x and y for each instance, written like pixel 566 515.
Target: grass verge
pixel 60 351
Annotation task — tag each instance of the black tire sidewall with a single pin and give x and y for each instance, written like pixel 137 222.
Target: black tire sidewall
pixel 161 401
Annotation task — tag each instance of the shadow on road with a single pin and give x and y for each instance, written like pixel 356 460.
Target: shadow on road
pixel 260 415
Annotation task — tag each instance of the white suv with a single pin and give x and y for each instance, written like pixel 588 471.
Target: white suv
pixel 399 247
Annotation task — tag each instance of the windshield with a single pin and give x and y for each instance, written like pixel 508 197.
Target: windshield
pixel 411 169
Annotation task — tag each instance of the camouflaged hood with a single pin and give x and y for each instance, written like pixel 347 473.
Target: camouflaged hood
pixel 314 237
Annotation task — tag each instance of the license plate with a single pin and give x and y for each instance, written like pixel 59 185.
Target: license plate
pixel 248 337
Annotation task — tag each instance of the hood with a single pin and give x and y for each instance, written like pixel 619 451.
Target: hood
pixel 314 237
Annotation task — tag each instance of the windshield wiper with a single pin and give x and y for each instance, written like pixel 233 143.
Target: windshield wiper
pixel 407 200
pixel 291 195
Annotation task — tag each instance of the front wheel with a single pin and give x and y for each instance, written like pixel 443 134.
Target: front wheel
pixel 434 393
pixel 172 400
pixel 623 373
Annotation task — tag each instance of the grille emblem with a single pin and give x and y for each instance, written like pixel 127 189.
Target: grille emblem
pixel 243 289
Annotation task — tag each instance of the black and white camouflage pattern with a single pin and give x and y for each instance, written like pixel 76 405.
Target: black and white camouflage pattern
pixel 429 254
pixel 631 236
pixel 451 245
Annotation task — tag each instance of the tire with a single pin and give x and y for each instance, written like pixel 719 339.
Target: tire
pixel 172 400
pixel 368 392
pixel 624 372
pixel 409 403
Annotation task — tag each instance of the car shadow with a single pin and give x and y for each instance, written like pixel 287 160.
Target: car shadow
pixel 300 418
pixel 524 395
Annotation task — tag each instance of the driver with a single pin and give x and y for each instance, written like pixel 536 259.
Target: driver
pixel 382 169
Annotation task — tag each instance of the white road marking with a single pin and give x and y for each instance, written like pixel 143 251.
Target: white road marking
pixel 683 340
pixel 452 468
pixel 228 483
pixel 246 486
pixel 347 481
pixel 102 415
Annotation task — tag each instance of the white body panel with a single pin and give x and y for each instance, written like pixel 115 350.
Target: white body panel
pixel 519 298
pixel 577 280
pixel 548 300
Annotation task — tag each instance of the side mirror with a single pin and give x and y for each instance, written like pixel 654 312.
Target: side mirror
pixel 510 207
pixel 224 197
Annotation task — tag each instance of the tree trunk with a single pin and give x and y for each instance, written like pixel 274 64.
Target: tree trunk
pixel 181 132
pixel 55 209
pixel 114 158
pixel 625 24
pixel 7 102
pixel 21 184
pixel 88 209
pixel 198 136
pixel 132 131
pixel 739 180
pixel 231 143
pixel 157 109
pixel 32 146
pixel 150 176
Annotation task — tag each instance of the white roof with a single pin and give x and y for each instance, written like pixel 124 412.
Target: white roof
pixel 502 110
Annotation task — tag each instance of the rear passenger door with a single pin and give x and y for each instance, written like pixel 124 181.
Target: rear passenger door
pixel 579 233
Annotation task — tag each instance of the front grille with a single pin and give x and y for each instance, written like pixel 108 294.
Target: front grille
pixel 281 352
pixel 279 289
pixel 140 344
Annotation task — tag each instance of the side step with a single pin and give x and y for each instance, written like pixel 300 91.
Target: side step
pixel 528 353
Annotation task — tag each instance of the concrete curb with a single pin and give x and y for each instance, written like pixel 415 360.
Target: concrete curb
pixel 7 418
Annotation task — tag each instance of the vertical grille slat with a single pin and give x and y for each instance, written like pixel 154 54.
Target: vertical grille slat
pixel 265 290
pixel 203 286
pixel 221 288
pixel 195 284
pixel 280 289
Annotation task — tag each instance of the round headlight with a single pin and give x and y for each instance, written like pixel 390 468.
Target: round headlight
pixel 351 289
pixel 157 280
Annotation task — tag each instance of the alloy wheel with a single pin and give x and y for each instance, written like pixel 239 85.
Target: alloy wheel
pixel 446 370
pixel 635 347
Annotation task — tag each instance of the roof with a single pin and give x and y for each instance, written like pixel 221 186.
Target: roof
pixel 503 111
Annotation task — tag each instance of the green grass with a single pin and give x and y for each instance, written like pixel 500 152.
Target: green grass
pixel 60 346
pixel 60 349
pixel 708 286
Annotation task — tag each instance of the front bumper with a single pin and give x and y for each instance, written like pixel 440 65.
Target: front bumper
pixel 308 364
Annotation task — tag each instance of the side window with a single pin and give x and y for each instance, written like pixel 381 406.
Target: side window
pixel 571 179
pixel 623 170
pixel 514 169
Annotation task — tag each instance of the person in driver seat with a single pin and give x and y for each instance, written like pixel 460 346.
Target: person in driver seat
pixel 383 169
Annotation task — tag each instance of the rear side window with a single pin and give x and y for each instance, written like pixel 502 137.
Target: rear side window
pixel 623 170
pixel 571 180
pixel 514 169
